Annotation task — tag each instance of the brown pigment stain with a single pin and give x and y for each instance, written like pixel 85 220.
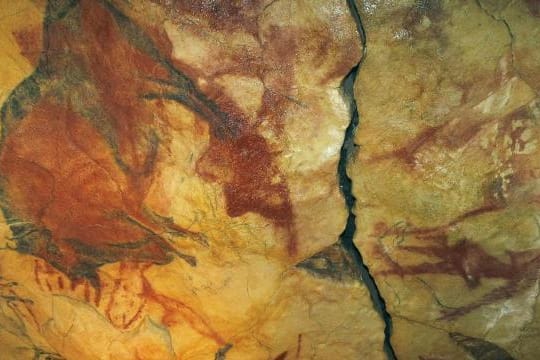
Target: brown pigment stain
pixel 81 182
pixel 534 7
pixel 86 205
pixel 29 41
pixel 464 258
pixel 282 356
pixel 280 46
pixel 112 73
pixel 251 182
pixel 275 68
pixel 240 159
pixel 219 14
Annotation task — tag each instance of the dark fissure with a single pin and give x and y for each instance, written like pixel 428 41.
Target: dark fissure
pixel 345 184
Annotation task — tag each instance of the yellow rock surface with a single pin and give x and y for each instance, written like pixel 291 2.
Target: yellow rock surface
pixel 446 174
pixel 174 179
pixel 165 167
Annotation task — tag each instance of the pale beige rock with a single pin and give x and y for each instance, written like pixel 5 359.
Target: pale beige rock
pixel 446 174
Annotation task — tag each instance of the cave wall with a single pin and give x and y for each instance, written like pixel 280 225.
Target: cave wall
pixel 286 179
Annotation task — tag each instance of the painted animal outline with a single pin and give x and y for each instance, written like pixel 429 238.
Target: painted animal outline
pixel 462 258
pixel 132 148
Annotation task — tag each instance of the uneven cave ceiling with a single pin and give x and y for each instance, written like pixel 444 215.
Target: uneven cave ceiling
pixel 269 179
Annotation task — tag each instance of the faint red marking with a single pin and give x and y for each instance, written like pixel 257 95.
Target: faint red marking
pixel 60 283
pixel 36 273
pixel 174 308
pixel 463 258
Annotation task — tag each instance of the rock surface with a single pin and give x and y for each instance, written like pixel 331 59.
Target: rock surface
pixel 179 179
pixel 446 174
pixel 165 165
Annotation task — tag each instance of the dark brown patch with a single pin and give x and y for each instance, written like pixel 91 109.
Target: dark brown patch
pixel 121 74
pixel 281 356
pixel 332 262
pixel 251 182
pixel 298 346
pixel 29 41
pixel 221 354
pixel 480 349
pixel 229 15
pixel 241 160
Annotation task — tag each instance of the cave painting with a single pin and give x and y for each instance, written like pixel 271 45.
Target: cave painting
pixel 152 163
pixel 82 139
pixel 262 179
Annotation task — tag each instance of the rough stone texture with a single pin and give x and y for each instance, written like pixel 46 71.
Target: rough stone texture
pixel 174 179
pixel 165 165
pixel 446 174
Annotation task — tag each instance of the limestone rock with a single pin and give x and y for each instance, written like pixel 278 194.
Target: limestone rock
pixel 269 179
pixel 446 174
pixel 165 165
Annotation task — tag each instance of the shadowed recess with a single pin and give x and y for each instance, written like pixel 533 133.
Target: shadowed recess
pixel 347 150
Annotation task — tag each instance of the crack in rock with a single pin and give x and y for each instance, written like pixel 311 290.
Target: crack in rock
pixel 508 29
pixel 512 39
pixel 221 354
pixel 345 183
